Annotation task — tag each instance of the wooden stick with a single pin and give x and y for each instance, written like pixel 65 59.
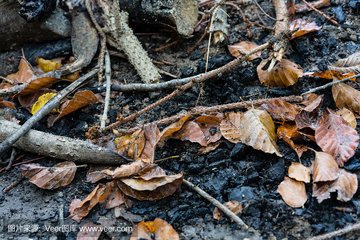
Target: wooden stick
pixel 321 13
pixel 217 204
pixel 342 231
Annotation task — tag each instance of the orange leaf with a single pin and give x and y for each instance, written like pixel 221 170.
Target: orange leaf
pixel 336 137
pixel 173 128
pixel 210 125
pixel 288 132
pixel 292 192
pixel 157 229
pixel 299 172
pixel 7 104
pixel 54 177
pixel 300 27
pixel 284 74
pixel 243 47
pixel 24 74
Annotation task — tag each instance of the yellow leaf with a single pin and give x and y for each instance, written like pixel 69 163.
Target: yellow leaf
pixel 42 100
pixel 48 65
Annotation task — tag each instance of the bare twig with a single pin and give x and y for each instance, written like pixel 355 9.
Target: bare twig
pixel 263 11
pixel 192 80
pixel 321 13
pixel 300 8
pixel 348 229
pixel 13 184
pixel 46 109
pixel 108 88
pixel 330 84
pixel 217 204
pixel 11 160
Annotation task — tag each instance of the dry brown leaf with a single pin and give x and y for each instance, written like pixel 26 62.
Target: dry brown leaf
pixel 89 231
pixel 288 132
pixel 243 47
pixel 54 177
pixel 116 196
pixel 173 128
pixel 284 74
pixel 152 137
pixel 345 185
pixel 124 171
pixel 233 205
pixel 332 74
pixel 150 173
pixel 325 168
pixel 27 101
pixel 7 104
pixel 24 74
pixel 230 126
pixel 210 125
pixel 81 99
pixel 293 192
pixel 336 137
pixel 346 96
pixel 209 148
pixel 280 110
pixel 257 130
pixel 131 144
pixel 299 172
pixel 300 27
pixel 192 132
pixel 152 189
pixel 80 209
pixel 350 64
pixel 157 229
pixel 310 115
pixel 348 116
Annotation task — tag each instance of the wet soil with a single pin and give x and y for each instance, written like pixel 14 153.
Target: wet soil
pixel 231 172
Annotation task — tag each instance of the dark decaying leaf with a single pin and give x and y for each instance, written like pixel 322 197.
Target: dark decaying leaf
pixel 325 168
pixel 310 115
pixel 284 74
pixel 336 137
pixel 281 110
pixel 54 177
pixel 151 189
pixel 230 126
pixel 293 192
pixel 81 99
pixel 345 185
pixel 289 132
pixel 157 229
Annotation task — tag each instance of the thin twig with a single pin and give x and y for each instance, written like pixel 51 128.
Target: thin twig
pixel 24 162
pixel 263 11
pixel 11 160
pixel 46 109
pixel 321 13
pixel 13 184
pixel 330 84
pixel 217 204
pixel 342 231
pixel 301 8
pixel 193 80
pixel 108 88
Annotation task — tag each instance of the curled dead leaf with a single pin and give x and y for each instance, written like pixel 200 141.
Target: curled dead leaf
pixel 242 48
pixel 54 177
pixel 192 132
pixel 233 205
pixel 300 27
pixel 230 126
pixel 346 96
pixel 336 137
pixel 257 130
pixel 210 126
pixel 284 74
pixel 152 137
pixel 299 172
pixel 310 115
pixel 288 132
pixel 350 64
pixel 293 192
pixel 173 128
pixel 325 168
pixel 151 189
pixel 157 229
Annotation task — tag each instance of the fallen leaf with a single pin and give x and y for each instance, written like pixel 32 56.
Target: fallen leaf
pixel 230 126
pixel 299 172
pixel 157 229
pixel 192 132
pixel 257 130
pixel 124 171
pixel 152 137
pixel 37 83
pixel 350 64
pixel 233 205
pixel 41 101
pixel 331 74
pixel 24 74
pixel 80 209
pixel 131 144
pixel 242 48
pixel 288 132
pixel 346 96
pixel 348 116
pixel 7 104
pixel 284 74
pixel 293 192
pixel 336 137
pixel 54 177
pixel 81 99
pixel 209 148
pixel 310 115
pixel 345 185
pixel 173 128
pixel 89 231
pixel 48 65
pixel 116 196
pixel 210 126
pixel 280 110
pixel 151 173
pixel 300 27
pixel 27 101
pixel 325 168
pixel 152 189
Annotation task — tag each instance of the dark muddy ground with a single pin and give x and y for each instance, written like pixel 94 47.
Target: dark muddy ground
pixel 232 171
